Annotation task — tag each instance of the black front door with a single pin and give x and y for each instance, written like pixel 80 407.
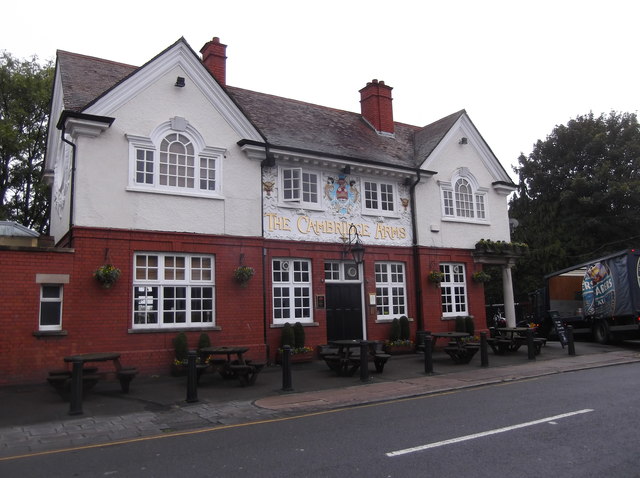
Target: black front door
pixel 344 311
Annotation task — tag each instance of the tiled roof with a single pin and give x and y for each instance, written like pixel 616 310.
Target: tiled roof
pixel 284 122
pixel 84 78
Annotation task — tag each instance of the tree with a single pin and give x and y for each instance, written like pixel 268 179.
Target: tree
pixel 578 194
pixel 25 92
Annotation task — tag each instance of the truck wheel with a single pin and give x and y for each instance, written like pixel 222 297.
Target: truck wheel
pixel 601 333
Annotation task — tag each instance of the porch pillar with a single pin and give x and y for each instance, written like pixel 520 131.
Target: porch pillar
pixel 507 293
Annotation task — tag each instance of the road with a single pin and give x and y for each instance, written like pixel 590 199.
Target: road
pixel 579 424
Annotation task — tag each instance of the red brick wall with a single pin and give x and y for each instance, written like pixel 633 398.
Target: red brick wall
pixel 99 320
pixel 430 259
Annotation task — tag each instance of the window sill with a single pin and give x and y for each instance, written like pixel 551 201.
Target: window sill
pixel 178 192
pixel 173 330
pixel 388 321
pixel 50 333
pixel 466 221
pixel 304 324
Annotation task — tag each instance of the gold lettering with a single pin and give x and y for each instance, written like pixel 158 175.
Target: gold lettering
pixel 305 229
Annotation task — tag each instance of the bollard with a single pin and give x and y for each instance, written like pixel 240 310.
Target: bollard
pixel 364 361
pixel 484 352
pixel 192 377
pixel 530 347
pixel 75 404
pixel 428 359
pixel 286 368
pixel 572 346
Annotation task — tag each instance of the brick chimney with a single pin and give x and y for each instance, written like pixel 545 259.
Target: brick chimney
pixel 215 59
pixel 375 105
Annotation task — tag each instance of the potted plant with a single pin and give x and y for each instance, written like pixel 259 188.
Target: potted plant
pixel 481 277
pixel 181 351
pixel 107 275
pixel 399 338
pixel 294 337
pixel 243 274
pixel 436 277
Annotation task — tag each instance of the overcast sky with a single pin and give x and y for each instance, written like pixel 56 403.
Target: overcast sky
pixel 519 68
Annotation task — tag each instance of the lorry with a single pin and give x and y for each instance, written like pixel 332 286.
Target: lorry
pixel 600 298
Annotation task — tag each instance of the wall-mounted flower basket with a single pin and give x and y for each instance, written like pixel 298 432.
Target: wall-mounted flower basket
pixel 481 277
pixel 243 275
pixel 107 275
pixel 436 277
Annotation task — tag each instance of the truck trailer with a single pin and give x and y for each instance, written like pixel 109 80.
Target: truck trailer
pixel 600 298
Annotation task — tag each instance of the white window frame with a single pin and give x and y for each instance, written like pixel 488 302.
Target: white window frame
pixel 471 206
pixel 162 291
pixel 383 206
pixel 453 290
pixel 46 302
pixel 294 195
pixel 341 271
pixel 391 290
pixel 151 147
pixel 292 291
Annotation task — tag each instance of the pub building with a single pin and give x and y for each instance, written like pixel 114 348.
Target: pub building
pixel 232 212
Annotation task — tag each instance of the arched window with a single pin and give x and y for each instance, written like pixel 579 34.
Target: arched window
pixel 175 160
pixel 462 198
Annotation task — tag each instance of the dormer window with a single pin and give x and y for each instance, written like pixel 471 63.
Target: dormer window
pixel 463 199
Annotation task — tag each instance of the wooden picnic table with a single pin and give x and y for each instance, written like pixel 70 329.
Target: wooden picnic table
pixel 244 370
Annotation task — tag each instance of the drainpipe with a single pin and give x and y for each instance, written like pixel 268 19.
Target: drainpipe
pixel 265 320
pixel 73 182
pixel 416 257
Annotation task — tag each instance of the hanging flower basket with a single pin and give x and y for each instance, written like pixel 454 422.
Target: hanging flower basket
pixel 481 276
pixel 243 274
pixel 436 277
pixel 107 275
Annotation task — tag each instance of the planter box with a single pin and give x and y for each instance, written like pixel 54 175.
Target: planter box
pixel 296 358
pixel 400 349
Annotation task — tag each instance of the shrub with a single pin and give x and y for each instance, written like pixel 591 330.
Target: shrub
pixel 395 330
pixel 204 341
pixel 288 337
pixel 405 331
pixel 298 335
pixel 470 327
pixel 181 346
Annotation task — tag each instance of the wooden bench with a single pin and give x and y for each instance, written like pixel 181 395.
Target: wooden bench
pixel 61 382
pixel 125 376
pixel 461 355
pixel 379 361
pixel 246 373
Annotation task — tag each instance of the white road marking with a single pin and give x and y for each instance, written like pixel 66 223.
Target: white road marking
pixel 484 434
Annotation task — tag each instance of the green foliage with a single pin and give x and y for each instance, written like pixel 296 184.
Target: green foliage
pixel 405 331
pixel 395 330
pixel 181 346
pixel 578 195
pixel 25 92
pixel 204 341
pixel 288 337
pixel 298 335
pixel 469 326
pixel 461 325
